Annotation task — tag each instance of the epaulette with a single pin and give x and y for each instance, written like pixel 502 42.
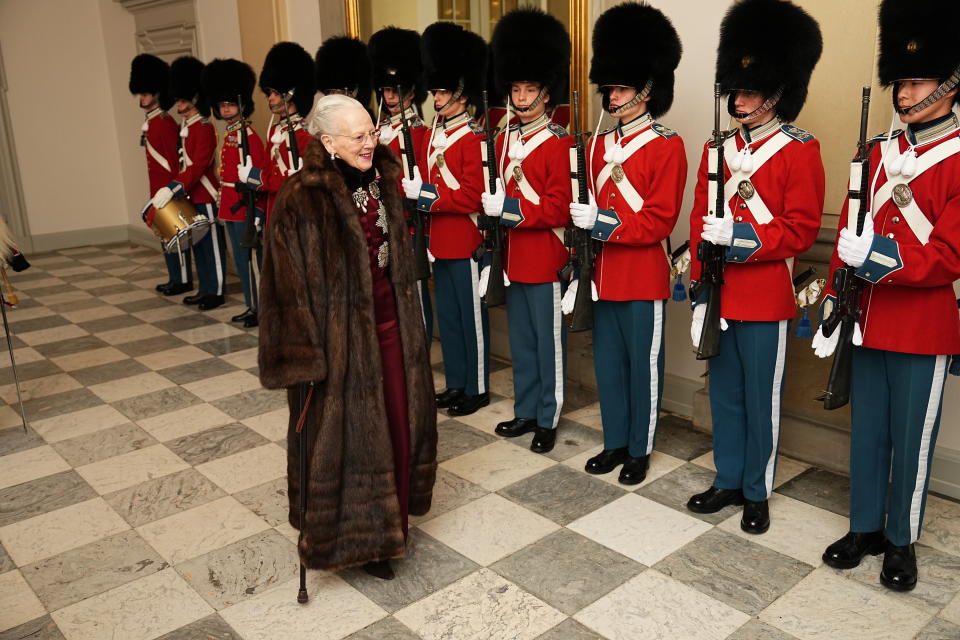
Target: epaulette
pixel 662 131
pixel 880 137
pixel 557 130
pixel 798 134
pixel 476 128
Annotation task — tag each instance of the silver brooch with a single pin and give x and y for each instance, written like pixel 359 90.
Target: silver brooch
pixel 383 255
pixel 375 190
pixel 360 198
pixel 902 195
pixel 382 218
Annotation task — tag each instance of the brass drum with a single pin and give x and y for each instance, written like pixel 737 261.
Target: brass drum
pixel 176 224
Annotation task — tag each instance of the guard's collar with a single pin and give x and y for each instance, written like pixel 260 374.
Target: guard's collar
pixel 639 123
pixel 455 121
pixel 925 132
pixel 153 113
pixel 236 125
pixel 189 121
pixel 756 134
pixel 528 128
pixel 411 114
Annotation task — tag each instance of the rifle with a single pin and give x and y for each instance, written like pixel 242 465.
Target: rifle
pixel 711 256
pixel 846 283
pixel 420 261
pixel 492 243
pixel 248 199
pixel 292 147
pixel 583 244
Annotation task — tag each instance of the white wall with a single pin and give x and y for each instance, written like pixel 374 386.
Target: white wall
pixel 218 29
pixel 303 24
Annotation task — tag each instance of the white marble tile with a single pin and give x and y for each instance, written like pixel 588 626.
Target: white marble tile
pixel 18 602
pixel 44 336
pixel 641 529
pixel 184 422
pixel 287 531
pixel 95 283
pixel 79 423
pixel 588 415
pixel 39 283
pixel 163 313
pixel 9 417
pixel 941 525
pixel 488 528
pixel 207 333
pixel 23 355
pixel 19 313
pixel 497 465
pixel 480 606
pixel 660 465
pixel 129 334
pixel 129 387
pixel 210 526
pixel 245 359
pixel 486 419
pixel 172 357
pixel 827 606
pixel 72 271
pixel 230 309
pixel 91 358
pixel 656 607
pixel 93 313
pixel 951 612
pixel 61 530
pixel 247 469
pixel 222 386
pixel 797 529
pixel 98 258
pixel 64 298
pixel 128 296
pixel 334 611
pixel 120 472
pixel 30 464
pixel 271 425
pixel 39 387
pixel 787 468
pixel 139 610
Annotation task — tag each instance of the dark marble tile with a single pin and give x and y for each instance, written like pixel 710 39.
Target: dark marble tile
pixel 42 495
pixel 150 345
pixel 13 439
pixel 251 403
pixel 428 567
pixel 230 344
pixel 562 494
pixel 53 290
pixel 734 571
pixel 450 492
pixel 193 371
pixel 71 346
pixel 77 574
pixel 268 500
pixel 939 629
pixel 25 370
pixel 6 563
pixel 938 584
pixel 677 437
pixel 111 289
pixel 143 305
pixel 756 630
pixel 15 341
pixel 570 629
pixel 675 488
pixel 39 629
pixel 382 629
pixel 455 438
pixel 103 444
pixel 153 404
pixel 109 372
pixel 76 305
pixel 109 324
pixel 60 403
pixel 213 627
pixel 164 496
pixel 567 570
pixel 820 488
pixel 197 448
pixel 36 324
pixel 183 323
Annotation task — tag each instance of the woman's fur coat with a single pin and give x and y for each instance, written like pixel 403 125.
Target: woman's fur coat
pixel 317 327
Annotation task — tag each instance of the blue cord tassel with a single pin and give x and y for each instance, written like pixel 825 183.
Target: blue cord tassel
pixel 803 328
pixel 679 291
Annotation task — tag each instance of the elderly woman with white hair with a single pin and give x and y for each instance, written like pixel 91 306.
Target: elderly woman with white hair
pixel 341 328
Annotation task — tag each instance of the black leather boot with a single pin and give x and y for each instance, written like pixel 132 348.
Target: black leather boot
pixel 634 470
pixel 756 517
pixel 251 321
pixel 543 440
pixel 714 499
pixel 209 302
pixel 240 317
pixel 193 299
pixel 465 405
pixel 848 551
pixel 177 288
pixel 163 285
pixel 515 427
pixel 899 567
pixel 606 461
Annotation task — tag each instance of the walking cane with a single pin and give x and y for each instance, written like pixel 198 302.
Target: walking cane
pixel 13 361
pixel 302 595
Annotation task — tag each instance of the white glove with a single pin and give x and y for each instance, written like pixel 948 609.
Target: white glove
pixel 243 170
pixel 412 187
pixel 824 347
pixel 493 202
pixel 430 257
pixel 162 197
pixel 853 249
pixel 506 280
pixel 584 215
pixel 719 231
pixel 570 297
pixel 484 281
pixel 696 325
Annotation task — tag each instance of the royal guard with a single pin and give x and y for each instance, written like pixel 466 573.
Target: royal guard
pixel 197 179
pixel 150 81
pixel 396 61
pixel 228 88
pixel 287 79
pixel 342 65
pixel 531 53
pixel 906 261
pixel 773 199
pixel 455 71
pixel 637 170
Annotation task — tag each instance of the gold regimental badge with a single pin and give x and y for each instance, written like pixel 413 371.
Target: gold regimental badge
pixel 617 173
pixel 518 173
pixel 746 189
pixel 902 195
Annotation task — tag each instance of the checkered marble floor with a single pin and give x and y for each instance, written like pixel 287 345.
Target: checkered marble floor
pixel 147 501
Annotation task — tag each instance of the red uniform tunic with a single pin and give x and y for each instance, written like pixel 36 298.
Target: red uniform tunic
pixel 757 278
pixel 534 251
pixel 159 140
pixel 633 264
pixel 197 177
pixel 911 306
pixel 453 182
pixel 280 160
pixel 229 159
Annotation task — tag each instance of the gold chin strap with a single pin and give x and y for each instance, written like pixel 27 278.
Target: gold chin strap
pixel 946 87
pixel 453 99
pixel 768 104
pixel 532 105
pixel 637 99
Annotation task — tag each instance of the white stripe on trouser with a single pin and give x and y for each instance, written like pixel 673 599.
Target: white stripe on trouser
pixel 423 313
pixel 477 324
pixel 183 263
pixel 775 405
pixel 933 408
pixel 217 258
pixel 557 354
pixel 654 371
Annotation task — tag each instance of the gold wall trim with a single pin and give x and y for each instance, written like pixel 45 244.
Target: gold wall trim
pixel 351 17
pixel 579 54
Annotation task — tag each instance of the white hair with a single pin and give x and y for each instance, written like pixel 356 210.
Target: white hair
pixel 323 118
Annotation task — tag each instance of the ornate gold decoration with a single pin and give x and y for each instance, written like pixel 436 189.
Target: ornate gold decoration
pixel 902 195
pixel 617 173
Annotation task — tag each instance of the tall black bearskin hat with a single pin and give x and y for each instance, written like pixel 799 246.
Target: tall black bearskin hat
pixel 531 46
pixel 342 63
pixel 150 74
pixel 288 67
pixel 634 43
pixel 395 58
pixel 769 46
pixel 918 39
pixel 223 80
pixel 185 75
pixel 454 58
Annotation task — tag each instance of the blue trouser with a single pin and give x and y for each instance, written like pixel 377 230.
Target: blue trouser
pixel 746 389
pixel 896 400
pixel 427 308
pixel 209 252
pixel 464 326
pixel 538 348
pixel 628 349
pixel 177 272
pixel 241 260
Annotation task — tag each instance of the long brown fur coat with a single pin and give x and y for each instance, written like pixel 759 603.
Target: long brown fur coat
pixel 317 326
